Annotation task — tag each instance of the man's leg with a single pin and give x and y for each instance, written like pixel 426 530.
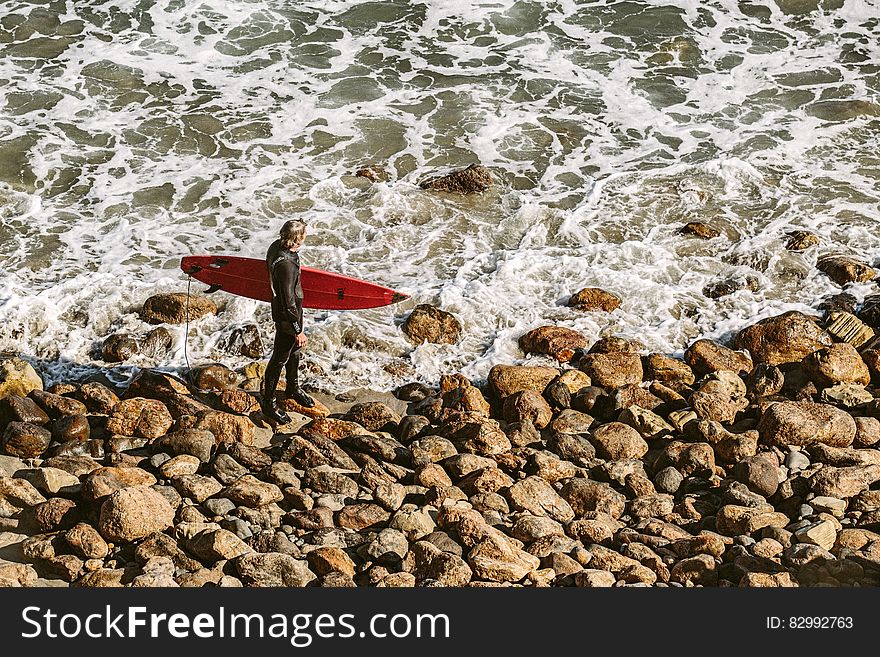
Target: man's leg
pixel 293 391
pixel 284 345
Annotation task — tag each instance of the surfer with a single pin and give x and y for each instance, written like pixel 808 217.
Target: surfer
pixel 282 259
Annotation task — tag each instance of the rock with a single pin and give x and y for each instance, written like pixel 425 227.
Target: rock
pixel 612 370
pixel 251 492
pixel 699 229
pixel 52 480
pixel 412 392
pixel 273 569
pixel 527 406
pixel 765 380
pixel 536 496
pixel 706 356
pixel 667 370
pixel 427 323
pixel 466 399
pixel 477 434
pixel 373 416
pixel 847 395
pixel 567 421
pixel 71 427
pixel 18 377
pixel 867 431
pixel 843 270
pixel 157 343
pixel 688 458
pixel 785 338
pixel 244 341
pixel 801 240
pixel 145 418
pixel 119 347
pixel 767 580
pixel 362 515
pixel 668 480
pixel 804 424
pixel 496 559
pixel 57 406
pixel 194 442
pixel 214 377
pixel 699 570
pixel 555 341
pixel 373 172
pixel 648 424
pixel 586 496
pixel 593 579
pixel 431 449
pixel 728 286
pixel 839 363
pixel 17 575
pixel 616 440
pixel 133 513
pixel 508 379
pixel 24 440
pixel 717 407
pixel 105 481
pixel 471 180
pixel 870 312
pixel 389 546
pixel 846 327
pixel 613 344
pixel 212 545
pixel 759 474
pixel 86 542
pixel 733 520
pixel 227 428
pixel 325 560
pixel 196 487
pixel 823 534
pixel 593 299
pixel 97 397
pixel 844 482
pixel 55 513
pixel 14 408
pixel 172 308
pixel 529 528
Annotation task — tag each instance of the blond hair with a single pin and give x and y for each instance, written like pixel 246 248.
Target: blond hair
pixel 293 233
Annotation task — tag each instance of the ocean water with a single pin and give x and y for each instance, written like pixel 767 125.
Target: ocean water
pixel 134 132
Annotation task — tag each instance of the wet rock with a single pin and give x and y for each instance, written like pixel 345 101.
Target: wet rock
pixel 555 341
pixel 728 286
pixel 785 338
pixel 527 406
pixel 472 180
pixel 616 440
pixel 466 399
pixel 373 416
pixel 373 172
pixel 57 406
pixel 806 423
pixel 214 377
pixel 273 569
pixel 594 299
pixel 18 377
pixel 613 344
pixel 508 379
pixel 119 347
pixel 801 240
pixel 612 370
pixel 699 229
pixel 71 427
pixel 157 343
pixel 14 408
pixel 144 418
pixel 133 513
pixel 244 341
pixel 667 370
pixel 839 363
pixel 427 323
pixel 172 308
pixel 843 269
pixel 706 356
pixel 25 440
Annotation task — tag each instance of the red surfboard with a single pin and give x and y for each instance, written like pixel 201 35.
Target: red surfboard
pixel 249 277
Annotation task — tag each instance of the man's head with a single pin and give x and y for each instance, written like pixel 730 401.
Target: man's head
pixel 293 233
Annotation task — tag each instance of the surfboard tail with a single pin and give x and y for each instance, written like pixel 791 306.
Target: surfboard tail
pixel 397 297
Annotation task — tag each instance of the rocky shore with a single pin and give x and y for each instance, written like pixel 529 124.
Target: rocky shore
pixel 753 464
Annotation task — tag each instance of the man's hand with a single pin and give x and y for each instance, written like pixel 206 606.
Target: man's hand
pixel 301 340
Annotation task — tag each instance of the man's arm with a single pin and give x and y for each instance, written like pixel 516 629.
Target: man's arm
pixel 286 282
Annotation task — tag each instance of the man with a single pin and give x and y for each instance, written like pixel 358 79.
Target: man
pixel 282 259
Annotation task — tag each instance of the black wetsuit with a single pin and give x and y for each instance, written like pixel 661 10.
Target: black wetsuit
pixel 287 313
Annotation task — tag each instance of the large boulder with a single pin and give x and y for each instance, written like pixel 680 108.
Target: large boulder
pixel 145 418
pixel 557 342
pixel 806 423
pixel 706 356
pixel 786 338
pixel 25 440
pixel 594 298
pixel 843 269
pixel 427 323
pixel 616 441
pixel 226 427
pixel 172 308
pixel 508 379
pixel 613 370
pixel 527 405
pixel 18 377
pixel 665 369
pixel 133 513
pixel 471 180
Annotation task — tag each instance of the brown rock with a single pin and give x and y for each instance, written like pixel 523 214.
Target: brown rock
pixel 733 520
pixel 477 434
pixel 273 569
pixel 427 323
pixel 706 356
pixel 594 298
pixel 324 560
pixel 699 229
pixel 85 541
pixel 15 408
pixel 244 341
pixel 586 496
pixel 785 338
pixel 212 545
pixel 555 341
pixel 843 270
pixel 71 427
pixel 801 240
pixel 16 575
pixel 105 481
pixel 227 428
pixel 612 370
pixel 527 405
pixel 119 347
pixel 839 363
pixel 667 370
pixel 251 492
pixel 466 399
pixel 18 377
pixel 616 440
pixel 24 440
pixel 57 406
pixel 133 513
pixel 496 559
pixel 508 379
pixel 362 515
pixel 806 423
pixel 373 416
pixel 145 418
pixel 215 377
pixel 172 308
pixel 318 410
pixel 844 482
pixel 471 180
pixel 767 580
pixel 536 496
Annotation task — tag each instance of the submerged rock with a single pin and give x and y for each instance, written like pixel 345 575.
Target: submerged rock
pixel 427 323
pixel 472 180
pixel 172 308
